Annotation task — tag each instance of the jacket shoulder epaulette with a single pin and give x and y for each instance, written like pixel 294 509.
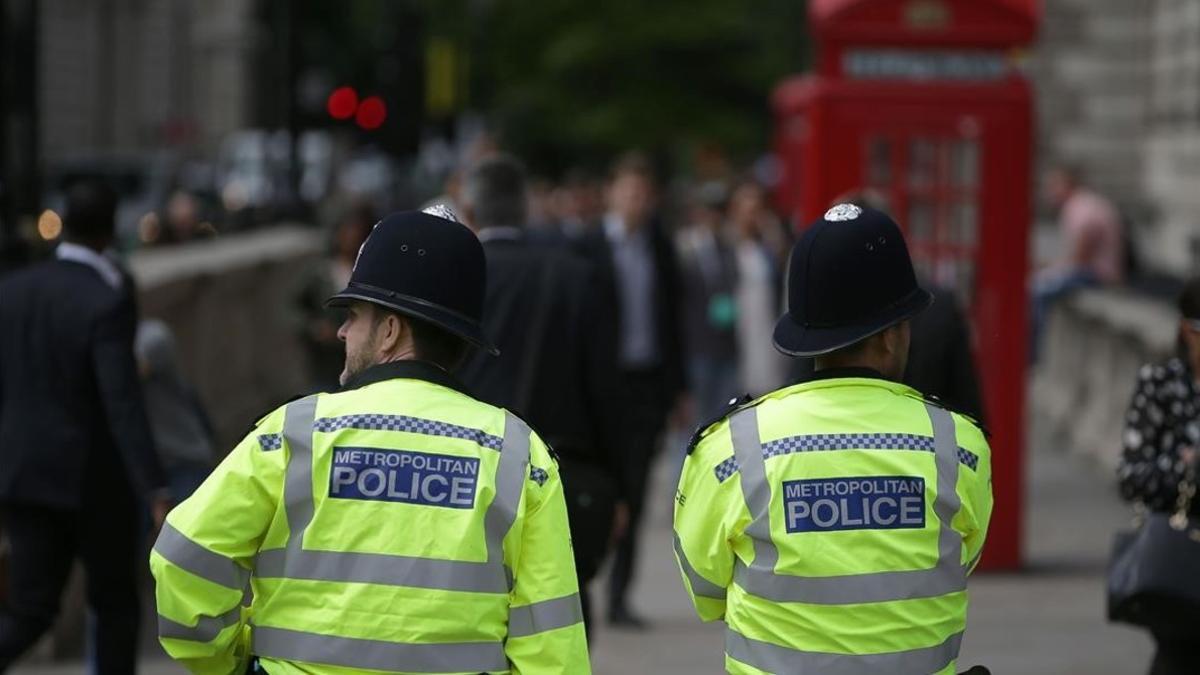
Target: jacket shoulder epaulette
pixel 735 404
pixel 259 419
pixel 934 400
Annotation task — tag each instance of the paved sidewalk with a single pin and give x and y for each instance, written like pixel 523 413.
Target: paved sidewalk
pixel 1046 620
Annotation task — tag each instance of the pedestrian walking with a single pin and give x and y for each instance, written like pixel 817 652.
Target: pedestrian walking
pixel 557 362
pixel 710 312
pixel 832 525
pixel 397 525
pixel 180 424
pixel 760 245
pixel 77 460
pixel 638 267
pixel 1158 460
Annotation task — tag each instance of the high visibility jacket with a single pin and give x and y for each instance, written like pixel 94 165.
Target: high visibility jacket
pixel 832 526
pixel 399 527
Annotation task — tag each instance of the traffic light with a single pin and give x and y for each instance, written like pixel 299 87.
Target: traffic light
pixel 372 113
pixel 342 103
pixel 369 113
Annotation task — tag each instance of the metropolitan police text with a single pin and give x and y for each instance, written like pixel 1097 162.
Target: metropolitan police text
pixel 404 476
pixel 859 503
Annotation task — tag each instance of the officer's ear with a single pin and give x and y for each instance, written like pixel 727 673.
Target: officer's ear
pixel 896 338
pixel 393 332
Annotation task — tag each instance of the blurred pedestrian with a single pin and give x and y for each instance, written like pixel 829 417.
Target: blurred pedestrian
pixel 832 525
pixel 640 272
pixel 179 423
pixel 761 250
pixel 76 450
pixel 579 203
pixel 316 325
pixel 1091 249
pixel 709 267
pixel 397 525
pixel 1160 444
pixel 557 362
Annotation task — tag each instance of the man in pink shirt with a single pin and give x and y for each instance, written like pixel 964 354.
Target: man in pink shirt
pixel 1092 246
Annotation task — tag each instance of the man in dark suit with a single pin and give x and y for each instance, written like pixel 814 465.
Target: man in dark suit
pixel 556 367
pixel 641 274
pixel 75 447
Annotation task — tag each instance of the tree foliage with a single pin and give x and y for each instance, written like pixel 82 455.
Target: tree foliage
pixel 565 80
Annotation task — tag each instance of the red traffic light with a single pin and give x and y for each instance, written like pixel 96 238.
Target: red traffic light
pixel 371 113
pixel 342 103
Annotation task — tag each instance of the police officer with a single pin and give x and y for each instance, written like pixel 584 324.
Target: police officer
pixel 832 524
pixel 397 525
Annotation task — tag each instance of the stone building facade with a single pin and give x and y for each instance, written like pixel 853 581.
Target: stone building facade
pixel 1118 94
pixel 126 77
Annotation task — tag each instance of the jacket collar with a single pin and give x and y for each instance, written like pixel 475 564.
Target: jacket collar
pixel 406 370
pixel 840 373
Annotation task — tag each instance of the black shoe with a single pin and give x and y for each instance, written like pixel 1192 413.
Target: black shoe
pixel 621 617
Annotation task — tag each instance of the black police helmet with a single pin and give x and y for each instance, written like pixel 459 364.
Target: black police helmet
pixel 425 265
pixel 850 278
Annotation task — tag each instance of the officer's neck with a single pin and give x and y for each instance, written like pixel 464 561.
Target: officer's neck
pixel 831 365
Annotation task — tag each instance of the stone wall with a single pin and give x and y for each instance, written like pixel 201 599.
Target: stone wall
pixel 227 302
pixel 1118 95
pixel 1095 342
pixel 1088 69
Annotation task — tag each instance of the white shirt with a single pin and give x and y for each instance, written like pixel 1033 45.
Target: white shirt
pixel 633 259
pixel 105 267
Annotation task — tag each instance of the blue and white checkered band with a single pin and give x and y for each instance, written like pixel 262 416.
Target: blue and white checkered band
pixel 538 476
pixel 412 425
pixel 826 442
pixel 269 442
pixel 843 212
pixel 441 211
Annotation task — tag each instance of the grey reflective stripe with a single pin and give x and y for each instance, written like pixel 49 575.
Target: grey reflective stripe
pixel 756 490
pixel 391 657
pixel 776 659
pixel 947 576
pixel 700 586
pixel 388 570
pixel 947 503
pixel 543 616
pixel 207 628
pixel 191 557
pixel 510 484
pixel 298 488
pixel 295 562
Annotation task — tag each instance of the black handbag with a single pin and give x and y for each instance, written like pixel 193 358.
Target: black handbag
pixel 1154 571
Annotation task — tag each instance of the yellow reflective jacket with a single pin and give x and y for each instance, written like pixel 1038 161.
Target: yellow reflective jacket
pixel 832 526
pixel 400 527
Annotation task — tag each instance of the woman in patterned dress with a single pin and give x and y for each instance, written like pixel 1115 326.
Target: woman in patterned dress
pixel 1162 434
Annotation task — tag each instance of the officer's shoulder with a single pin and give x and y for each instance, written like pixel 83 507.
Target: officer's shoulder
pixel 546 444
pixel 735 404
pixel 935 401
pixel 277 411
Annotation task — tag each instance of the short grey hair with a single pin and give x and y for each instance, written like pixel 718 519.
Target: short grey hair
pixel 494 191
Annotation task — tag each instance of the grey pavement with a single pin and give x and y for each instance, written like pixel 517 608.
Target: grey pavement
pixel 1046 620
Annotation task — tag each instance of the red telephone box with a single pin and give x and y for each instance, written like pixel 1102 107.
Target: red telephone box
pixel 921 102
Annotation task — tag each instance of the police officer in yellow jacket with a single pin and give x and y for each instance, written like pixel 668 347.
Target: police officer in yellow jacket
pixel 395 526
pixel 832 524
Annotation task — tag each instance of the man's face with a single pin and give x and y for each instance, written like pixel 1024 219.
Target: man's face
pixel 631 197
pixel 1059 186
pixel 360 332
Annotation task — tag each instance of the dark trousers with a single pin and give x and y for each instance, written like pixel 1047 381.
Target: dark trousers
pixel 45 542
pixel 1174 655
pixel 646 416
